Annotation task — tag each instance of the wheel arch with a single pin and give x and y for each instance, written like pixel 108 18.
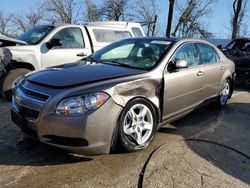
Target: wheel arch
pixel 14 64
pixel 153 105
pixel 114 138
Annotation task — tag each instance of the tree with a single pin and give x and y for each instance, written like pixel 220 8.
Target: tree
pixel 114 9
pixel 239 9
pixel 5 20
pixel 188 24
pixel 62 11
pixel 28 19
pixel 92 11
pixel 146 12
pixel 170 17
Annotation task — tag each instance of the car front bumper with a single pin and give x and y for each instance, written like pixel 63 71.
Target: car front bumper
pixel 89 133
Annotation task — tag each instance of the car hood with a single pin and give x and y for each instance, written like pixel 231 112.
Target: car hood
pixel 5 38
pixel 76 74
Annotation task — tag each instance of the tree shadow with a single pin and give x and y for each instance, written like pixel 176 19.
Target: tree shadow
pixel 221 137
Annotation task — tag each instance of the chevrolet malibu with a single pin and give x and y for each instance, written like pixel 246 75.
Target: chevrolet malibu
pixel 122 93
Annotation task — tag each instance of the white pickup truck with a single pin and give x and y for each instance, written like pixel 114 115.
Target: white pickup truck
pixel 49 45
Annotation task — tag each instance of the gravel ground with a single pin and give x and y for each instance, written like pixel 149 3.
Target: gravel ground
pixel 207 148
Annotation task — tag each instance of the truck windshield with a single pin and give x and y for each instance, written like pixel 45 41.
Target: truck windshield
pixel 36 34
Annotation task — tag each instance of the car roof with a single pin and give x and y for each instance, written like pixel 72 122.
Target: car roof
pixel 5 38
pixel 170 39
pixel 247 39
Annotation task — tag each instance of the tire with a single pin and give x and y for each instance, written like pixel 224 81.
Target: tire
pixel 9 79
pixel 224 94
pixel 136 131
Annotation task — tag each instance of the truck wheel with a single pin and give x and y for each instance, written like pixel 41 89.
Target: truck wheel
pixel 8 80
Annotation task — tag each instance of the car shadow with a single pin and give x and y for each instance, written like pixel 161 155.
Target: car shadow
pixel 33 153
pixel 219 136
pixel 24 151
pixel 20 150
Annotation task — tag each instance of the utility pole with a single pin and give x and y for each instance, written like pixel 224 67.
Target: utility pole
pixel 155 20
pixel 170 17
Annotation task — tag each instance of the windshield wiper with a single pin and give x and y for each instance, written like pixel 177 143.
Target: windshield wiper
pixel 116 63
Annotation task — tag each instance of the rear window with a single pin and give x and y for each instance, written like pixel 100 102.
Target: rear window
pixel 137 32
pixel 104 35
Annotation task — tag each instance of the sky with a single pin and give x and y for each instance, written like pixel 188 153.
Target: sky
pixel 218 22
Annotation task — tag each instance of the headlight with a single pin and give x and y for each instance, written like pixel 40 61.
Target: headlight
pixel 81 104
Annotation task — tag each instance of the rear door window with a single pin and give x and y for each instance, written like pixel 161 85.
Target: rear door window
pixel 208 54
pixel 106 35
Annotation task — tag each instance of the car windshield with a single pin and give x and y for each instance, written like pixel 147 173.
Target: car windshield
pixel 36 34
pixel 133 53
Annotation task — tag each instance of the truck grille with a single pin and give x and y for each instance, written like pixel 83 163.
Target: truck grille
pixel 34 95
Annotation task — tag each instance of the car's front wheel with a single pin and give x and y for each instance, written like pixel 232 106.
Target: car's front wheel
pixel 137 125
pixel 224 94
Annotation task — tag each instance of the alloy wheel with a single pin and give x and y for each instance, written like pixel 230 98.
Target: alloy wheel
pixel 224 94
pixel 138 124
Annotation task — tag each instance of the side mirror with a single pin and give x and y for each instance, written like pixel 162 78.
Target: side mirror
pixel 176 64
pixel 53 43
pixel 180 64
pixel 219 46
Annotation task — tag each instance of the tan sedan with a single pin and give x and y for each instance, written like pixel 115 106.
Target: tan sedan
pixel 124 92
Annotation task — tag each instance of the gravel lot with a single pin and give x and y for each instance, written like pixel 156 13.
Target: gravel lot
pixel 207 148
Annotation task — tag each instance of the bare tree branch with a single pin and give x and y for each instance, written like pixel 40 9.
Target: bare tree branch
pixel 62 11
pixel 114 9
pixel 29 19
pixel 92 11
pixel 189 24
pixel 5 20
pixel 146 11
pixel 239 11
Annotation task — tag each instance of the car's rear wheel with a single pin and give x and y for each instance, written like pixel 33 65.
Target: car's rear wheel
pixel 224 94
pixel 137 125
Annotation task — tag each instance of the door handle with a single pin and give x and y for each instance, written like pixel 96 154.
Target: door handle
pixel 222 68
pixel 81 54
pixel 200 73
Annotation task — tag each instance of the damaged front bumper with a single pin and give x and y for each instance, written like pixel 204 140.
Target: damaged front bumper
pixel 89 133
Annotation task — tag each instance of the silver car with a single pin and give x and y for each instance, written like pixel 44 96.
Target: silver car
pixel 124 92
